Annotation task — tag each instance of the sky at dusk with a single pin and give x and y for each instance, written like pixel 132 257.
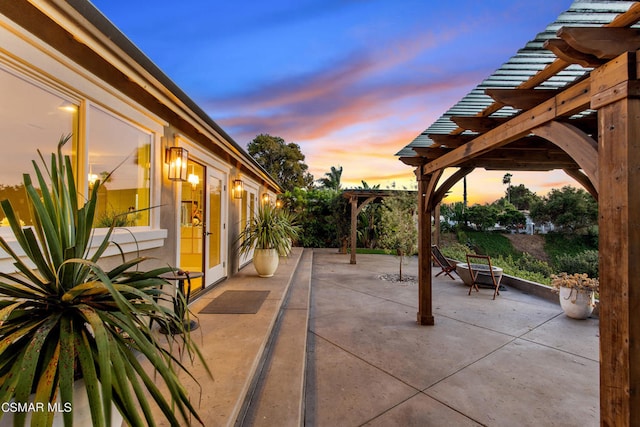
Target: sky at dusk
pixel 350 81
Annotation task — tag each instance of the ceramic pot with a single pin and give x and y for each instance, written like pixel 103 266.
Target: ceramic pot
pixel 577 304
pixel 265 261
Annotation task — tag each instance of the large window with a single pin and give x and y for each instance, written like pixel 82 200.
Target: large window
pixel 119 154
pixel 32 117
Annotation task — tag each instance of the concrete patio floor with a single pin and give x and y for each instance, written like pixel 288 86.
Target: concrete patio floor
pixel 517 360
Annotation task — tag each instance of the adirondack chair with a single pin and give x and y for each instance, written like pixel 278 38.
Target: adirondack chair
pixel 482 273
pixel 442 262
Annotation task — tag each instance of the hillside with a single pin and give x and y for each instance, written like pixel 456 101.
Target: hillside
pixel 532 244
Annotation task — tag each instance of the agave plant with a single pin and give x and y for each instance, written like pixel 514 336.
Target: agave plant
pixel 270 228
pixel 62 316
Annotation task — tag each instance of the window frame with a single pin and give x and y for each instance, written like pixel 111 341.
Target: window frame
pixel 65 79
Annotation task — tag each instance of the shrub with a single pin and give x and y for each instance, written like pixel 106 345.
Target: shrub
pixel 492 244
pixel 510 266
pixel 529 263
pixel 455 251
pixel 585 262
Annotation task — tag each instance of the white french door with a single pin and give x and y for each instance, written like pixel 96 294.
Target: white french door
pixel 247 211
pixel 215 259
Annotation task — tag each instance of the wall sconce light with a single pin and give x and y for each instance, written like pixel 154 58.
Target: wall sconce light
pixel 278 203
pixel 177 158
pixel 265 198
pixel 238 186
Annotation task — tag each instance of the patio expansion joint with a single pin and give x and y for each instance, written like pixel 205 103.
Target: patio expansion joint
pixel 418 391
pixel 364 361
pixel 430 397
pixel 514 339
pixel 523 338
pixel 373 295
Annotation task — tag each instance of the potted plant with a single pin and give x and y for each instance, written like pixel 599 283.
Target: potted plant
pixel 577 293
pixel 269 234
pixel 67 323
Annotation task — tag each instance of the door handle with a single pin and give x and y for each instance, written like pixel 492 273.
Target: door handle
pixel 206 233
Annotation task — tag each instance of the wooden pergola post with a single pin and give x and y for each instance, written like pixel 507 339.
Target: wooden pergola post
pixel 425 297
pixel 354 227
pixel 615 93
pixel 436 224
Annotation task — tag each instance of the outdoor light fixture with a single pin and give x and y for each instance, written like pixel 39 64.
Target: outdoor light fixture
pixel 265 198
pixel 278 203
pixel 177 157
pixel 237 188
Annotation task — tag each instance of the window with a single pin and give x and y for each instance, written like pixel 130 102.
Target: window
pixel 31 118
pixel 119 154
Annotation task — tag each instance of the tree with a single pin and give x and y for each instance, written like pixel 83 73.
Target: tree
pixel 331 180
pixel 522 198
pixel 483 216
pixel 284 162
pixel 570 209
pixel 399 225
pixel 510 217
pixel 506 180
pixel 323 216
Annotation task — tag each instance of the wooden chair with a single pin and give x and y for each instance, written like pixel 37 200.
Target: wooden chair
pixel 444 264
pixel 482 279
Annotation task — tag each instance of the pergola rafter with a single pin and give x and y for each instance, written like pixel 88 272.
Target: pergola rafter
pixel 580 113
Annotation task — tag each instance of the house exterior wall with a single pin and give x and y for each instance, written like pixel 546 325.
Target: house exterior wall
pixel 70 50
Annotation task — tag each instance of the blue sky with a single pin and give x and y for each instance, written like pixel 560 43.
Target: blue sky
pixel 350 81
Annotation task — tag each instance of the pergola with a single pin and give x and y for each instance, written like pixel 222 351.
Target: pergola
pixel 359 198
pixel 569 100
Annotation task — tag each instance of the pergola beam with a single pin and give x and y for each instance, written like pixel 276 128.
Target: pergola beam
pixel 521 99
pixel 601 42
pixel 450 141
pixel 564 51
pixel 478 124
pixel 570 101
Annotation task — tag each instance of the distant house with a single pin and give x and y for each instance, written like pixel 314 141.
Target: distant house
pixel 65 69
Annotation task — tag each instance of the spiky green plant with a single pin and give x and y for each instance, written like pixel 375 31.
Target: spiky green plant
pixel 270 228
pixel 63 317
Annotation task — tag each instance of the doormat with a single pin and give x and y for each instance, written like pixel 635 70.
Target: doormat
pixel 236 302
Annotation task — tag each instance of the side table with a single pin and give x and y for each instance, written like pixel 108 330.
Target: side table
pixel 180 276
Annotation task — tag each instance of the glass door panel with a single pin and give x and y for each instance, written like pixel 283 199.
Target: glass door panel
pixel 247 213
pixel 191 223
pixel 215 226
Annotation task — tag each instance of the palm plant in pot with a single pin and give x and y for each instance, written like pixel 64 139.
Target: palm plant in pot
pixel 269 235
pixel 64 318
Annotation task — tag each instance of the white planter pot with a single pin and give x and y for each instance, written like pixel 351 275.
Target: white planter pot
pixel 577 304
pixel 265 261
pixel 79 407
